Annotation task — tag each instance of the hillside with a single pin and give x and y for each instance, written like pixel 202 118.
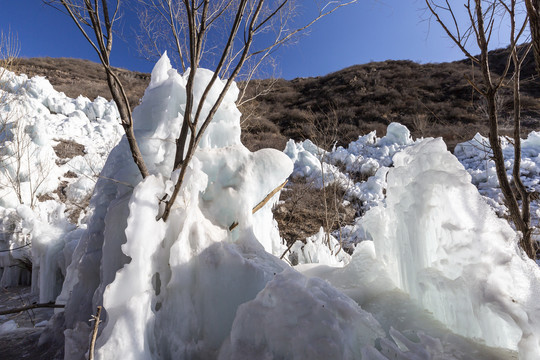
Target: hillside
pixel 76 76
pixel 431 99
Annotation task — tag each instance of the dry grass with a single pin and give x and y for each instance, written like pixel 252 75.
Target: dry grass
pixel 301 210
pixel 68 149
pixel 431 100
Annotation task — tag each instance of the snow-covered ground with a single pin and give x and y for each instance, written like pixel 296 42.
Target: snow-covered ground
pixel 436 274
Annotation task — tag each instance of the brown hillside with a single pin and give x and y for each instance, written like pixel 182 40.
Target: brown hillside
pixel 431 99
pixel 76 76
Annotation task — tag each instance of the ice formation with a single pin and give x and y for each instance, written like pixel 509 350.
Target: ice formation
pixel 160 281
pixel 365 157
pixel 295 317
pixel 475 155
pixel 434 275
pixel 443 245
pixel 439 242
pixel 34 119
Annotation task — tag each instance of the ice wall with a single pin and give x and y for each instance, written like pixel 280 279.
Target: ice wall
pixel 442 244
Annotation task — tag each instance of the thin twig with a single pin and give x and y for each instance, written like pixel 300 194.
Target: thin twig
pixel 287 250
pixel 96 320
pixel 261 204
pixel 33 306
pixel 17 248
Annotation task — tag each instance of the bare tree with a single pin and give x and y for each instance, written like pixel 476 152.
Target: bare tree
pixel 9 52
pixel 482 17
pixel 241 24
pixel 20 173
pixel 323 131
pixel 191 23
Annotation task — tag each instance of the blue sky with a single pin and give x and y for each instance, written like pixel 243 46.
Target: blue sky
pixel 371 30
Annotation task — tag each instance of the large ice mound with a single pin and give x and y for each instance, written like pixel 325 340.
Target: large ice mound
pixel 442 278
pixel 443 244
pixel 171 290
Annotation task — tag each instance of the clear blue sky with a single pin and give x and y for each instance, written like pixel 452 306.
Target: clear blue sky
pixel 371 30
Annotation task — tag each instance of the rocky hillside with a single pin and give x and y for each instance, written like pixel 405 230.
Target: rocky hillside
pixel 430 99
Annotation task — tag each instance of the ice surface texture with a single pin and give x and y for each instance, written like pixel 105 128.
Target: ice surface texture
pixel 192 289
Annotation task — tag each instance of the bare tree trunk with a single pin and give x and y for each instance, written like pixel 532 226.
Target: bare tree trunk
pixel 90 13
pixel 498 158
pixel 533 11
pixel 527 243
pixel 118 94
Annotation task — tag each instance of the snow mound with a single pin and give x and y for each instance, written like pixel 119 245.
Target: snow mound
pixel 8 326
pixel 476 154
pixel 291 319
pixel 359 171
pixel 435 273
pixel 367 156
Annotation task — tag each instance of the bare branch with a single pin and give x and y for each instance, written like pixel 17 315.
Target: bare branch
pixel 262 202
pixel 457 39
pixel 91 13
pixel 29 307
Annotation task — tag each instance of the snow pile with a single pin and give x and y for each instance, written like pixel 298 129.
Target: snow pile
pixel 437 240
pixel 8 326
pixel 361 160
pixel 435 274
pixel 360 171
pixel 442 244
pixel 52 149
pixel 476 155
pixel 315 250
pixel 321 323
